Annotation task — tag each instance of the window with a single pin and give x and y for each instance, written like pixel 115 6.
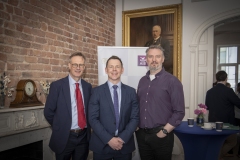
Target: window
pixel 229 61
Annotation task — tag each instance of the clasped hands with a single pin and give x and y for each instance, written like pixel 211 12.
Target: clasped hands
pixel 116 143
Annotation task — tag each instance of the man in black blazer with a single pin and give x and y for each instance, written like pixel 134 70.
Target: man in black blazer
pixel 220 101
pixel 62 112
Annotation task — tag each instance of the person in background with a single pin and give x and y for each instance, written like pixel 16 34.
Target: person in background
pixel 66 112
pixel 113 116
pixel 220 101
pixel 159 40
pixel 228 85
pixel 237 110
pixel 162 108
pixel 214 84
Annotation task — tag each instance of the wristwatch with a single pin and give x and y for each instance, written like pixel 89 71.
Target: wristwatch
pixel 164 131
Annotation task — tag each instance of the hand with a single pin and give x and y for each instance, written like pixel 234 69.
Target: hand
pixel 116 143
pixel 160 134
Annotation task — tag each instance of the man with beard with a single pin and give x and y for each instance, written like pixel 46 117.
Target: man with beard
pixel 162 108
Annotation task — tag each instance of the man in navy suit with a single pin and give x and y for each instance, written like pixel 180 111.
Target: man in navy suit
pixel 113 116
pixel 68 139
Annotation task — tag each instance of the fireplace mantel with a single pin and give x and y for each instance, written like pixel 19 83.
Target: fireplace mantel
pixel 17 120
pixel 20 126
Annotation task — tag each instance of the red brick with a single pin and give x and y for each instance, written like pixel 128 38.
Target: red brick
pixel 19 19
pixel 9 25
pixel 40 40
pixel 9 9
pixel 17 11
pixel 54 62
pixel 19 27
pixel 4 15
pixel 22 43
pixel 27 30
pixel 56 5
pixel 1 6
pixel 6 49
pixel 31 59
pixel 43 60
pixel 38 67
pixel 28 7
pixel 37 46
pixel 51 35
pixel 43 26
pixel 3 57
pixel 38 32
pixel 10 41
pixel 15 58
pixel 13 2
pixel 56 68
pixel 27 37
pixel 10 66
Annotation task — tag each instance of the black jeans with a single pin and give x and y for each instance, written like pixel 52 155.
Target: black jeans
pixel 151 147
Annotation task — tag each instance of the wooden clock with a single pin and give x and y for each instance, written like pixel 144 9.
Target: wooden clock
pixel 26 95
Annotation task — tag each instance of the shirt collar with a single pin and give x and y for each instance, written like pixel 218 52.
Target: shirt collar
pixel 110 84
pixel 156 75
pixel 72 81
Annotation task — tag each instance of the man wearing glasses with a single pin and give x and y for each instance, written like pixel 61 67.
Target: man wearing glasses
pixel 66 111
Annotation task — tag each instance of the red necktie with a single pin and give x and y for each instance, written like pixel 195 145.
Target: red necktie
pixel 80 108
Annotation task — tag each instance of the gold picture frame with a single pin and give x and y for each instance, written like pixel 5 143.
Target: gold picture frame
pixel 137 28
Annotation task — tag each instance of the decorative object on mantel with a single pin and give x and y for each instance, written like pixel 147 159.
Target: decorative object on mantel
pixel 200 112
pixel 45 87
pixel 4 90
pixel 26 95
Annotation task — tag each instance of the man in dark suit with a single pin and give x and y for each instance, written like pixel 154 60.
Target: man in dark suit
pixel 220 101
pixel 113 116
pixel 159 41
pixel 66 111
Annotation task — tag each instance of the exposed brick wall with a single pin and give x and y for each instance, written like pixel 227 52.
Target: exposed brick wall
pixel 37 37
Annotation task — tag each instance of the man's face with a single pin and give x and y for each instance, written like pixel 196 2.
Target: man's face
pixel 155 59
pixel 156 31
pixel 114 70
pixel 76 67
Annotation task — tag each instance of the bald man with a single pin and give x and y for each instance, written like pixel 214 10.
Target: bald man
pixel 158 40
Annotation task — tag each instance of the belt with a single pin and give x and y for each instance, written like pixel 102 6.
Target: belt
pixel 152 130
pixel 77 130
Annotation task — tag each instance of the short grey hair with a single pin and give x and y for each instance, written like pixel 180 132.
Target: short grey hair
pixel 77 54
pixel 155 47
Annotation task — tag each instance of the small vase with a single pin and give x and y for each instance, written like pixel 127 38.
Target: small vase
pixel 200 120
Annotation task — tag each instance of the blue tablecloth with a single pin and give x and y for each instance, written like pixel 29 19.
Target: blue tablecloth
pixel 199 143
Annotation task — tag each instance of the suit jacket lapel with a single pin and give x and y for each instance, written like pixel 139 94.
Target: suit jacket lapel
pixel 84 87
pixel 109 97
pixel 123 98
pixel 66 92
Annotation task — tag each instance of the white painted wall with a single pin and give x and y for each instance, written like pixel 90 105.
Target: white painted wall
pixel 197 17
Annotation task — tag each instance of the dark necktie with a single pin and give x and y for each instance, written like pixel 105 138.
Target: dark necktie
pixel 80 108
pixel 116 105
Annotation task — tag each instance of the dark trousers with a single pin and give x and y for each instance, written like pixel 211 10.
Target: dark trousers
pixel 76 148
pixel 151 147
pixel 112 156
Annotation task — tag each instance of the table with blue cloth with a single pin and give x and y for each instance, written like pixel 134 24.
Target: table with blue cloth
pixel 201 144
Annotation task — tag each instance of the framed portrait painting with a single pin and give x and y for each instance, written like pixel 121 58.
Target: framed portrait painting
pixel 137 31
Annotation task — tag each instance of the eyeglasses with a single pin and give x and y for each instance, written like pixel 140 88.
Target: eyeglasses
pixel 75 65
